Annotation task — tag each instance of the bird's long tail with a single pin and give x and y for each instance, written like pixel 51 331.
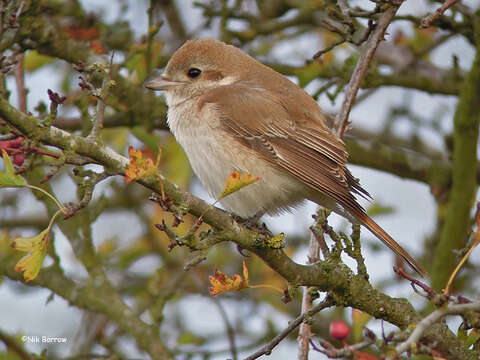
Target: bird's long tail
pixel 381 234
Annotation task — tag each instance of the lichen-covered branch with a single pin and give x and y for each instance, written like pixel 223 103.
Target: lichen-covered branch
pixel 454 233
pixel 95 297
pixel 346 288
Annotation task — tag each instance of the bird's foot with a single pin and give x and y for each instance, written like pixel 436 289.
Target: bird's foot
pixel 252 223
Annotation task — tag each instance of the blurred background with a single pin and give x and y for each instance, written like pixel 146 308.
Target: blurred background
pixel 401 125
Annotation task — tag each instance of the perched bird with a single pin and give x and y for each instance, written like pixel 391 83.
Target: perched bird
pixel 230 112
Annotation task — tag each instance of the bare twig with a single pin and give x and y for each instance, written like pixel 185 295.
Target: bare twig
pixel 430 293
pixel 317 231
pixel 430 320
pixel 20 80
pixel 344 9
pixel 101 95
pixel 329 47
pixel 99 116
pixel 229 329
pixel 268 347
pixel 361 68
pixel 333 353
pixel 427 21
pixel 305 333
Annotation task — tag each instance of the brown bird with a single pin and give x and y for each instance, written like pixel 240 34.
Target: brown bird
pixel 230 112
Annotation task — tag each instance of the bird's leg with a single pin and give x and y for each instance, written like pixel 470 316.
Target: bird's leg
pixel 252 223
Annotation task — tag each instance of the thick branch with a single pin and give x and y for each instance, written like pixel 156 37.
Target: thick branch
pixel 95 298
pixel 454 233
pixel 347 288
pixel 416 77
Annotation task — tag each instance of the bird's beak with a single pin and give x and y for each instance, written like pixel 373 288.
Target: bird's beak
pixel 161 82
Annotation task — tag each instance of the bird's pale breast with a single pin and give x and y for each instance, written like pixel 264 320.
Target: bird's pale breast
pixel 214 154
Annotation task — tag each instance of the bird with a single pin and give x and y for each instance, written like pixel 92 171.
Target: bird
pixel 230 112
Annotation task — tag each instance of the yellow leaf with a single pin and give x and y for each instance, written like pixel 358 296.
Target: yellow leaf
pixel 359 320
pixel 237 181
pixel 36 247
pixel 222 283
pixel 141 165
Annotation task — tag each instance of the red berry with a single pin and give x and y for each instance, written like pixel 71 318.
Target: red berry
pixel 18 159
pixel 339 330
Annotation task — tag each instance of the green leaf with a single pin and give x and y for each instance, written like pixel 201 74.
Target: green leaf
pixel 8 177
pixel 379 209
pixel 308 73
pixel 33 61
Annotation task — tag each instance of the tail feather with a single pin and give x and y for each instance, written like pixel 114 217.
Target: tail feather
pixel 388 240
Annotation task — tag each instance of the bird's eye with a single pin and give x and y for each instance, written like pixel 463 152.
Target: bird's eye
pixel 194 72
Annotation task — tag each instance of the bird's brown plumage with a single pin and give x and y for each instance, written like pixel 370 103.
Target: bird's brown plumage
pixel 304 148
pixel 273 119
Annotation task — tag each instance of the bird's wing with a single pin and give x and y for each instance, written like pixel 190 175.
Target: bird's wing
pixel 295 137
pixel 289 136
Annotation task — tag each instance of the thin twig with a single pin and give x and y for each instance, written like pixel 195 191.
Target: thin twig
pixel 427 21
pixel 20 80
pixel 268 347
pixel 305 333
pixel 318 231
pixel 329 47
pixel 361 68
pixel 430 320
pixel 334 353
pixel 431 294
pixel 229 329
pixel 99 116
pixel 344 9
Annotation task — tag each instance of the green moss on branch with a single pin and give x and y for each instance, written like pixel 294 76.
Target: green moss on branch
pixel 455 231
